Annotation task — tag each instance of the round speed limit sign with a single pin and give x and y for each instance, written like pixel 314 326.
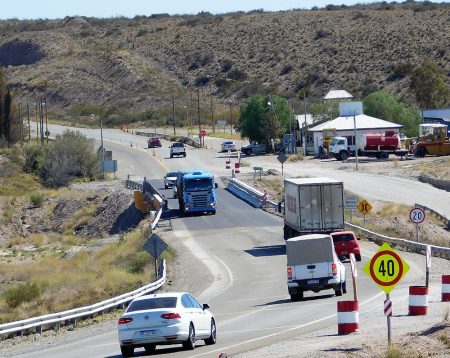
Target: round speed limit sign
pixel 417 215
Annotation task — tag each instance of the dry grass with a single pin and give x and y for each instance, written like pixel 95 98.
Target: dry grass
pixel 80 217
pixel 224 135
pixel 85 278
pixel 275 185
pixel 295 157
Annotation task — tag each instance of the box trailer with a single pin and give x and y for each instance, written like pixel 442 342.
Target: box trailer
pixel 313 205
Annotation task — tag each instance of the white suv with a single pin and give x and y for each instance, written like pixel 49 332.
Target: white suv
pixel 177 148
pixel 312 265
pixel 228 145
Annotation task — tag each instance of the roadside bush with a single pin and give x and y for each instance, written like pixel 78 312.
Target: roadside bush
pixel 138 262
pixel 37 199
pixel 22 293
pixel 70 156
pixel 34 158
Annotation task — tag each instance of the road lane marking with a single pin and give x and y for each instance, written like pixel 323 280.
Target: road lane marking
pixel 272 281
pixel 284 331
pixel 273 308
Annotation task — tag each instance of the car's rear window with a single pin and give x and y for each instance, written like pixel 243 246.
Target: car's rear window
pixel 153 303
pixel 171 175
pixel 228 143
pixel 177 145
pixel 342 237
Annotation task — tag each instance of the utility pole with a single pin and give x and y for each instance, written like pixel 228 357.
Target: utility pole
pixel 103 149
pixel 231 116
pixel 47 133
pixel 20 122
pixel 28 116
pixel 304 124
pixel 356 147
pixel 41 115
pixel 173 115
pixel 36 111
pixel 199 122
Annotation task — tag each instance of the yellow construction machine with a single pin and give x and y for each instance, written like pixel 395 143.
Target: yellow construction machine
pixel 432 140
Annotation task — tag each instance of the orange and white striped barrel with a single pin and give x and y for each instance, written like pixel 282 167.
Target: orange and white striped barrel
pixel 237 167
pixel 445 288
pixel 228 164
pixel 418 300
pixel 347 317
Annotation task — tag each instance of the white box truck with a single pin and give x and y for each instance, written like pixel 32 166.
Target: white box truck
pixel 313 205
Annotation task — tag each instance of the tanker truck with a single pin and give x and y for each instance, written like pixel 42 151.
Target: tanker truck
pixel 378 145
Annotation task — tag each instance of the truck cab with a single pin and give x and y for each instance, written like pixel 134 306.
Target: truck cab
pixel 196 192
pixel 340 149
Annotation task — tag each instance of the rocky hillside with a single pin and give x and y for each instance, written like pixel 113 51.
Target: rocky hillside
pixel 123 65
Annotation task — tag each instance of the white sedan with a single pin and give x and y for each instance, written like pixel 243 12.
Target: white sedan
pixel 165 318
pixel 228 145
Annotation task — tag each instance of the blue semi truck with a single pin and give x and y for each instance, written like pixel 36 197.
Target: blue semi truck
pixel 196 192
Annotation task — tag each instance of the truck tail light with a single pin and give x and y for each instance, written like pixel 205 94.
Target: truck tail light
pixel 334 269
pixel 289 273
pixel 125 320
pixel 170 315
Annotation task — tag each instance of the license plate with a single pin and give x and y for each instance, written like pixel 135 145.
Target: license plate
pixel 344 252
pixel 147 333
pixel 310 282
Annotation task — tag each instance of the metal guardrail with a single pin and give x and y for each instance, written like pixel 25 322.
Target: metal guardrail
pixel 55 319
pixel 441 217
pixel 412 246
pixel 250 195
pixel 177 138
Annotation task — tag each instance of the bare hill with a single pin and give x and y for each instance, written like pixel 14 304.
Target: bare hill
pixel 133 65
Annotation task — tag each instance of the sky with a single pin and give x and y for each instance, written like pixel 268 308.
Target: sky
pixel 51 9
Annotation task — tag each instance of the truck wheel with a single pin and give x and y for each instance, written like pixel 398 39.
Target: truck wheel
pixel 298 296
pixel 338 291
pixel 358 257
pixel 343 155
pixel 420 152
pixel 344 287
pixel 171 156
pixel 184 154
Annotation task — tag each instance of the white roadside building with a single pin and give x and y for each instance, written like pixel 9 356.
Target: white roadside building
pixel 351 113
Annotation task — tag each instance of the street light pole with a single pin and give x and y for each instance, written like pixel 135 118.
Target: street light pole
pixel 304 125
pixel 173 115
pixel 103 149
pixel 231 117
pixel 199 123
pixel 212 108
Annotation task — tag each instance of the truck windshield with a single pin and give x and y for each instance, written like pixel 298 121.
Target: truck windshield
pixel 198 184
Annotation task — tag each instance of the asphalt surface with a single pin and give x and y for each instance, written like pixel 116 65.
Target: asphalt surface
pixel 244 250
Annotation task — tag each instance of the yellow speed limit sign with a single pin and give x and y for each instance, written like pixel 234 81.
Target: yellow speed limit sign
pixel 386 268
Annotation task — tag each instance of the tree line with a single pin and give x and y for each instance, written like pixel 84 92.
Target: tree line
pixel 5 111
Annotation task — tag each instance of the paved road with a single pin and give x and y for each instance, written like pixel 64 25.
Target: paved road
pixel 243 248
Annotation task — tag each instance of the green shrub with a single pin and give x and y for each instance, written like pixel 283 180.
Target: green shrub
pixel 34 158
pixel 37 199
pixel 22 293
pixel 138 262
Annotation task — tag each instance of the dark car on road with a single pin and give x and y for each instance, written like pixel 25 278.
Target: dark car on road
pixel 154 142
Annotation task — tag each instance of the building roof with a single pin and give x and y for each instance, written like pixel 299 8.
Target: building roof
pixel 437 113
pixel 337 94
pixel 300 118
pixel 363 121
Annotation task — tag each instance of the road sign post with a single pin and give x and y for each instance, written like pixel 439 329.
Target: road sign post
pixel 388 314
pixel 354 275
pixel 351 203
pixel 364 207
pixel 428 265
pixel 155 247
pixel 282 158
pixel 386 268
pixel 417 216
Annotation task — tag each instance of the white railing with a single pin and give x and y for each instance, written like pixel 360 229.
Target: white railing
pixel 250 195
pixel 55 319
pixel 255 198
pixel 412 246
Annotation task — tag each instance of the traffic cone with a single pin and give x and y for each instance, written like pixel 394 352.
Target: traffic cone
pixel 154 152
pixel 131 144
